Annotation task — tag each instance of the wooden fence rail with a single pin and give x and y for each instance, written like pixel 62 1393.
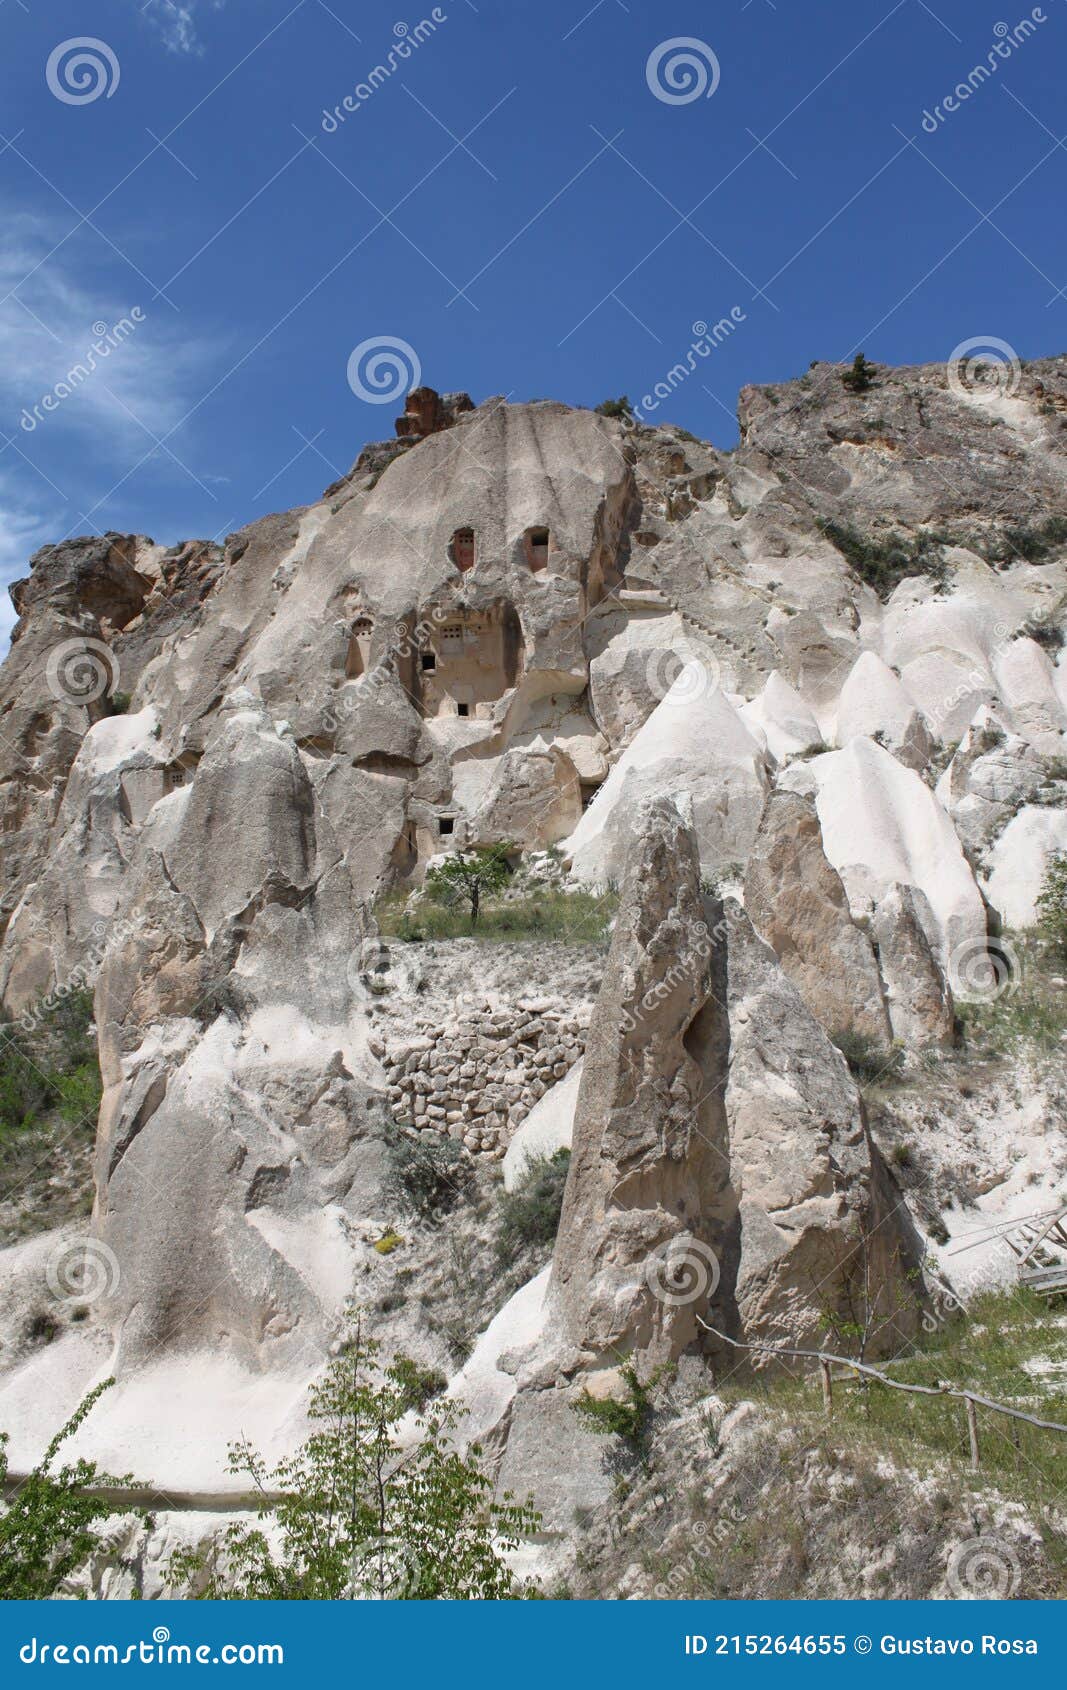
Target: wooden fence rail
pixel 972 1400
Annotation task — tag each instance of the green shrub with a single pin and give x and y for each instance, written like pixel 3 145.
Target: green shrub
pixel 1033 542
pixel 118 703
pixel 51 1066
pixel 620 408
pixel 358 1513
pixel 1052 903
pixel 47 1531
pixel 868 1062
pixel 529 1215
pixel 425 1174
pixel 860 376
pixel 628 1417
pixel 884 563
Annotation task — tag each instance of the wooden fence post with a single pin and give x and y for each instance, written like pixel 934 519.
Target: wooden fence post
pixel 827 1387
pixel 972 1432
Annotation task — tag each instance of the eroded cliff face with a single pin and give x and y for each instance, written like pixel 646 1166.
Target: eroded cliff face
pixel 823 673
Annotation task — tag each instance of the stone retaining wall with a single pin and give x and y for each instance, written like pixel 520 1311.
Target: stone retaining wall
pixel 477 1077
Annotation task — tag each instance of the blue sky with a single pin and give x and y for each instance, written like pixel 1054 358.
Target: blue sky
pixel 515 201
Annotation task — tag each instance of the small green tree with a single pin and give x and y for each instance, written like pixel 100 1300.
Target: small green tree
pixel 470 875
pixel 360 1514
pixel 1052 902
pixel 861 375
pixel 46 1530
pixel 620 408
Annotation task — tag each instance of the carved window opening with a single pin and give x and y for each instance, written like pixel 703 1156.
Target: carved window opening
pixel 537 549
pixel 357 658
pixel 446 825
pixel 470 661
pixel 463 549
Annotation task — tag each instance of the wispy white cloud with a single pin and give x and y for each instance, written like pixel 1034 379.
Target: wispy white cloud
pixel 176 22
pixel 78 357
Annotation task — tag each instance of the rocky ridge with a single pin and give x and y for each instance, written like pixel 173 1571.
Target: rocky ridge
pixel 823 675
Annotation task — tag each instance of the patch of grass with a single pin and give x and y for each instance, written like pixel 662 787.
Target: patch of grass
pixel 529 1215
pixel 868 1063
pixel 884 563
pixel 986 1350
pixel 1030 1012
pixel 573 917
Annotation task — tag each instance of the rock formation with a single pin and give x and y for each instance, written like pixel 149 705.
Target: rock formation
pixel 721 1165
pixel 825 672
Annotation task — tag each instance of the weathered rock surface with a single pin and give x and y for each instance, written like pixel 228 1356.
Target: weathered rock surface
pixel 525 622
pixel 919 996
pixel 797 903
pixel 721 1165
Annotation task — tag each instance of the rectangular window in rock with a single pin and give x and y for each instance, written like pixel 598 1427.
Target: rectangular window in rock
pixel 463 548
pixel 537 549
